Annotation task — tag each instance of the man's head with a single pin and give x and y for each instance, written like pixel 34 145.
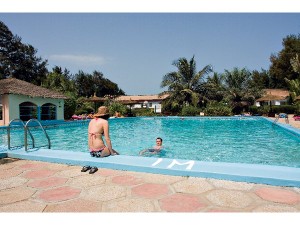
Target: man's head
pixel 159 141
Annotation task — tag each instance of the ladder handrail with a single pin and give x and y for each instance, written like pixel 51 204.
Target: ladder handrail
pixel 8 132
pixel 286 118
pixel 276 120
pixel 26 128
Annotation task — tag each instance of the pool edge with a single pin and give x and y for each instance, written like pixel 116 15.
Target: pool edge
pixel 252 173
pixel 287 127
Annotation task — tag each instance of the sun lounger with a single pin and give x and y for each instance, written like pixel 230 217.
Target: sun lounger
pixel 296 118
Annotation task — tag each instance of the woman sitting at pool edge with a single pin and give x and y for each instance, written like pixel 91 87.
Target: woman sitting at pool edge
pixel 156 149
pixel 99 127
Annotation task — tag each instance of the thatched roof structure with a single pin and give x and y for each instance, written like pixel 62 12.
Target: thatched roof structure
pixel 270 98
pixel 273 95
pixel 20 87
pixel 95 98
pixel 131 99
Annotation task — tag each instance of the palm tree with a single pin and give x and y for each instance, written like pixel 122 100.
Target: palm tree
pixel 295 62
pixel 294 85
pixel 240 90
pixel 294 88
pixel 59 80
pixel 214 87
pixel 183 84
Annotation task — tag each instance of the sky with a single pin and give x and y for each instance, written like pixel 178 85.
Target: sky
pixel 136 49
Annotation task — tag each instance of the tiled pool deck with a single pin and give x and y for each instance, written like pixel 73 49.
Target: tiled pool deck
pixel 36 186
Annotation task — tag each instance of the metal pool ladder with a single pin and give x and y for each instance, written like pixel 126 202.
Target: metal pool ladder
pixel 26 130
pixel 8 132
pixel 286 118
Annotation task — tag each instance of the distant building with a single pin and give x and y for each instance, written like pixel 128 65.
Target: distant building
pixel 25 101
pixel 143 101
pixel 273 97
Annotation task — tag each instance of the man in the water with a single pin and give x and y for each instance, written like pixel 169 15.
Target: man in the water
pixel 156 149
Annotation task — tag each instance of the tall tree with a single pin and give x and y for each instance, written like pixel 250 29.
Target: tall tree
pixel 262 79
pixel 19 60
pixel 294 85
pixel 295 62
pixel 60 81
pixel 184 82
pixel 84 84
pixel 294 88
pixel 103 86
pixel 240 89
pixel 88 84
pixel 281 67
pixel 8 46
pixel 214 87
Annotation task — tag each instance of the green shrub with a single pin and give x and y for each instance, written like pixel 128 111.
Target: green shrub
pixel 190 111
pixel 117 107
pixel 143 112
pixel 254 109
pixel 217 109
pixel 69 108
pixel 289 109
pixel 83 106
pixel 170 108
pixel 263 110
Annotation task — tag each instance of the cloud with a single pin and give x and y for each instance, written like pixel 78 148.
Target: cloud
pixel 79 59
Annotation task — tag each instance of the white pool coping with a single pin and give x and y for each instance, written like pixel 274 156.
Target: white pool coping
pixel 253 173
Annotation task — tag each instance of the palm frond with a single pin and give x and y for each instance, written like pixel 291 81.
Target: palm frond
pixel 196 78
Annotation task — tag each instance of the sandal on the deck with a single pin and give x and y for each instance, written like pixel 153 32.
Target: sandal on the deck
pixel 85 168
pixel 93 170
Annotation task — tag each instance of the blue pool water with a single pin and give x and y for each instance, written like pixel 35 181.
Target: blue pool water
pixel 236 140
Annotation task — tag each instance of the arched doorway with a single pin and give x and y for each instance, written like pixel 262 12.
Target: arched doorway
pixel 48 112
pixel 28 110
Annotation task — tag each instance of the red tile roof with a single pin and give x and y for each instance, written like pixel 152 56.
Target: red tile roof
pixel 15 86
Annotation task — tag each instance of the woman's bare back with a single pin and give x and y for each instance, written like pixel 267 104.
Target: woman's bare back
pixel 95 132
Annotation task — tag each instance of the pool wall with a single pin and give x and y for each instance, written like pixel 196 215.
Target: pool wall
pixel 253 173
pixel 286 127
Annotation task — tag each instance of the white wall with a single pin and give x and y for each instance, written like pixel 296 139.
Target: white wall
pixel 11 104
pixel 276 102
pixel 154 105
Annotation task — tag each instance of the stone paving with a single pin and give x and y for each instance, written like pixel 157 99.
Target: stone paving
pixel 33 186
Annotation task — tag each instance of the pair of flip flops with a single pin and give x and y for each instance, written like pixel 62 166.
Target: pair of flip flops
pixel 92 169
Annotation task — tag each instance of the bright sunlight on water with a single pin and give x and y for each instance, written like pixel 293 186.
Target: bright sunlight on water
pixel 238 140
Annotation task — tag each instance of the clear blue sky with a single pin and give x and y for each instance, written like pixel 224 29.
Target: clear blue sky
pixel 135 50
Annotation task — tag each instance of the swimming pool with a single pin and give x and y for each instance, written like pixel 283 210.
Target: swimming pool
pixel 250 140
